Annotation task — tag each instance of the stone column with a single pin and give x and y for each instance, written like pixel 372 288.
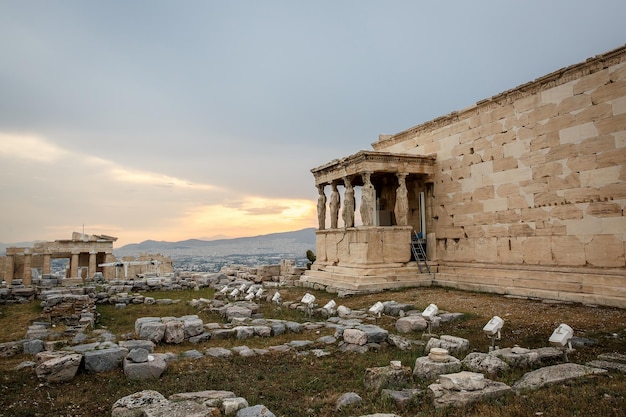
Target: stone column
pixel 401 209
pixel 334 206
pixel 27 279
pixel 321 207
pixel 368 195
pixel 348 204
pixel 431 243
pixel 45 268
pixel 92 265
pixel 9 269
pixel 74 265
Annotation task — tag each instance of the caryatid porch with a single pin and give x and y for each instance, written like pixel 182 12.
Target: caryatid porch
pixel 364 243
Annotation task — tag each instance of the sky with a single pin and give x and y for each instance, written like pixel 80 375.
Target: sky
pixel 171 120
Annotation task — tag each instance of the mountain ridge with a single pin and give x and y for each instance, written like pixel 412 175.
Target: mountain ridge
pixel 305 236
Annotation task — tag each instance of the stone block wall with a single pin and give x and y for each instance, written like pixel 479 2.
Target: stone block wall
pixel 533 178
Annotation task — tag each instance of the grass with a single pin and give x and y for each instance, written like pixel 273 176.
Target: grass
pixel 296 385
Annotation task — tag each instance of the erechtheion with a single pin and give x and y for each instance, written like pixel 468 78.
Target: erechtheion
pixel 522 193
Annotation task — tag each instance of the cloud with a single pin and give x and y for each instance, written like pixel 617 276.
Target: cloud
pixel 29 147
pixel 50 200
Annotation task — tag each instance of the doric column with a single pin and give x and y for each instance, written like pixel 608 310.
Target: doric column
pixel 9 269
pixel 74 265
pixel 92 264
pixel 368 196
pixel 348 204
pixel 321 207
pixel 45 268
pixel 27 279
pixel 401 209
pixel 334 206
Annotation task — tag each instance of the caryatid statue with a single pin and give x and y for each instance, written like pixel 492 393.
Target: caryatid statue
pixel 334 206
pixel 321 207
pixel 401 210
pixel 368 194
pixel 348 204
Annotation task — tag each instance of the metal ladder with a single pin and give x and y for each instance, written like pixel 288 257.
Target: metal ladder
pixel 417 247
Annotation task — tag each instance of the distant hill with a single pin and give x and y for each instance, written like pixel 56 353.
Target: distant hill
pixel 286 242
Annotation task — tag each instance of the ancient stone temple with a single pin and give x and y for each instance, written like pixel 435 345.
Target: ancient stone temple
pixel 522 193
pixel 87 255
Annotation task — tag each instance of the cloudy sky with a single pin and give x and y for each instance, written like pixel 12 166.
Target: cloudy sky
pixel 169 120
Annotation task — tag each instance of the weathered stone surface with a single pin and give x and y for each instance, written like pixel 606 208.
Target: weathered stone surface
pixel 32 347
pixel 554 374
pixel 192 354
pixel 104 360
pixel 209 397
pixel 152 330
pixel 443 397
pixel 484 362
pixel 59 369
pixel 137 344
pixel 386 377
pixel 355 336
pixel 174 332
pixel 180 409
pixel 232 405
pixel 374 333
pixel 411 323
pixel 236 312
pixel 138 355
pixel 132 405
pixel 403 343
pixel 349 398
pixel 8 349
pixel 401 398
pixel 193 325
pixel 152 369
pixel 255 411
pixel 463 381
pixel 427 369
pixel 454 345
pixel 609 366
pixel 518 357
pixel 218 352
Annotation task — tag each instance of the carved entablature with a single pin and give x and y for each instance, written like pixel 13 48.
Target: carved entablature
pixel 375 162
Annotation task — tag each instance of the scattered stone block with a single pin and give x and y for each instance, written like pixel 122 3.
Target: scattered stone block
pixel 104 360
pixel 374 333
pixel 409 324
pixel 193 325
pixel 518 357
pixel 608 365
pixel 427 369
pixel 387 377
pixel 131 405
pixel 443 397
pixel 231 405
pixel 59 368
pixel 554 374
pixel 153 331
pixel 255 411
pixel 10 349
pixel 192 354
pixel 484 363
pixel 403 343
pixel 32 347
pixel 180 409
pixel 138 344
pixel 138 355
pixel 454 345
pixel 355 337
pixel 174 332
pixel 218 352
pixel 401 398
pixel 349 398
pixel 463 381
pixel 152 369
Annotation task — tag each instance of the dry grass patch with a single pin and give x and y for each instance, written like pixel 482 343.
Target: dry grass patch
pixel 298 385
